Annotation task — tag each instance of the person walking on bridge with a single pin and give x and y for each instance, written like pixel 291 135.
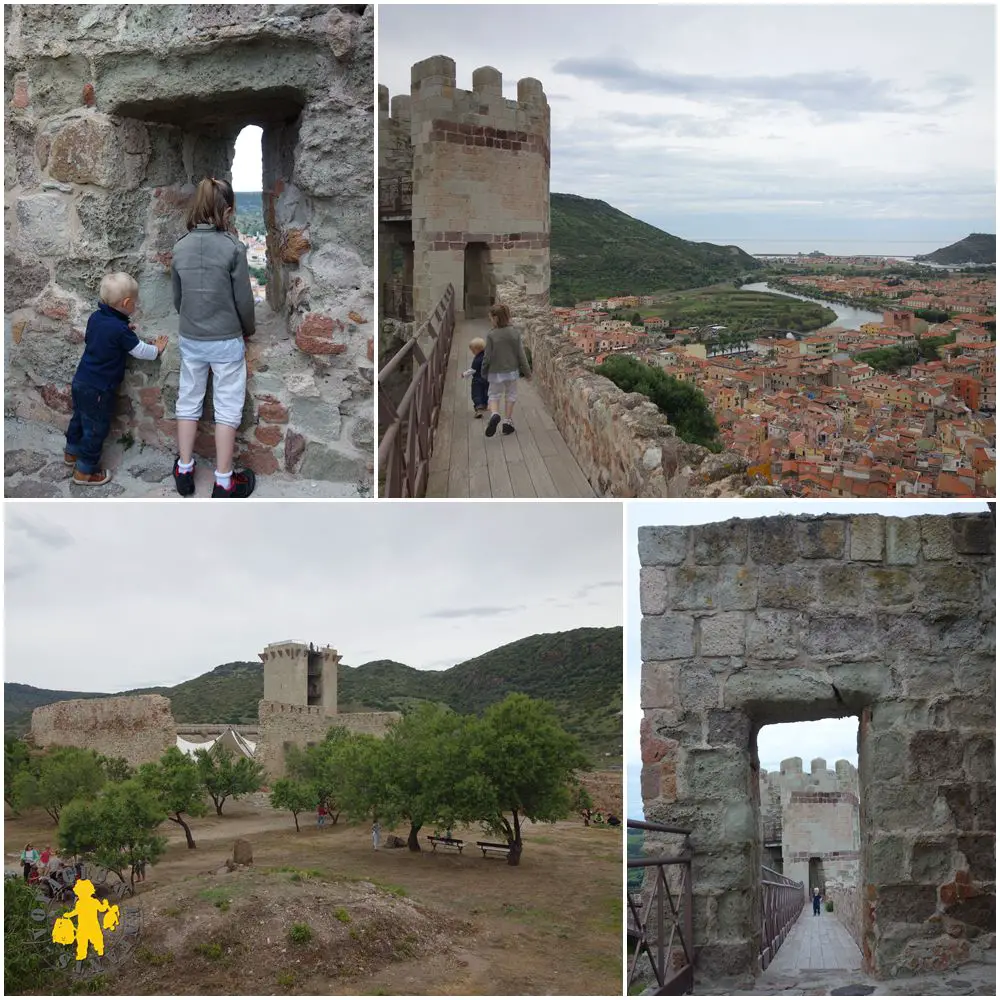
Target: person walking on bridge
pixel 816 899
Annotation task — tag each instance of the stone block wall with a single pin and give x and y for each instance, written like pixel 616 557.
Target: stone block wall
pixel 848 909
pixel 139 728
pixel 480 176
pixel 752 622
pixel 113 113
pixel 286 674
pixel 282 725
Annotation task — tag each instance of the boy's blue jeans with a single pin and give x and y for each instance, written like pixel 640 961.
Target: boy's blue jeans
pixel 93 410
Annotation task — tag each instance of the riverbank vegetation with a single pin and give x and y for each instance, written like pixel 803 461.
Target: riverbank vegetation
pixel 681 403
pixel 740 311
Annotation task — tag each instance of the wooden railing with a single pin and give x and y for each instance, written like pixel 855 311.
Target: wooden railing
pixel 404 453
pixel 395 197
pixel 671 958
pixel 781 902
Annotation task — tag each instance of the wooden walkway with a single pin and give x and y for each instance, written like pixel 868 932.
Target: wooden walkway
pixel 534 462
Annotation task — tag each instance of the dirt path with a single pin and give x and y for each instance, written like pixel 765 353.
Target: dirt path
pixel 552 925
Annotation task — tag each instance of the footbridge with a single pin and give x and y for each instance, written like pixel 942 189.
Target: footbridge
pixel 431 444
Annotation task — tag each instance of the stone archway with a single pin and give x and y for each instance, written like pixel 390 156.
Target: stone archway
pixel 750 622
pixel 104 147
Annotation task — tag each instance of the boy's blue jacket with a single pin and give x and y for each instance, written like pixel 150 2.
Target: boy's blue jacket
pixel 108 342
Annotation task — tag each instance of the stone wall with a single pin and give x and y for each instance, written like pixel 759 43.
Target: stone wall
pixel 848 909
pixel 287 675
pixel 284 725
pixel 113 113
pixel 752 622
pixel 605 788
pixel 139 728
pixel 480 167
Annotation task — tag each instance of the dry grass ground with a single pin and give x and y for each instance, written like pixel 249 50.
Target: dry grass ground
pixel 386 922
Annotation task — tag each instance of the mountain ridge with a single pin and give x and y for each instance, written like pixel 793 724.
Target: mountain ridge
pixel 579 671
pixel 598 251
pixel 976 248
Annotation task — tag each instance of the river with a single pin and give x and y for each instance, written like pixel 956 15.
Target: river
pixel 847 316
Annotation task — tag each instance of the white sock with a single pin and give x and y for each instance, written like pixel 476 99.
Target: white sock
pixel 185 466
pixel 224 479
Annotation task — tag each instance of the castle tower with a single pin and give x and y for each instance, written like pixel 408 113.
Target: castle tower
pixel 480 210
pixel 299 674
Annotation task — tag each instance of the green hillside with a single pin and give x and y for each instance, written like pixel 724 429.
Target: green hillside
pixel 598 251
pixel 578 671
pixel 976 248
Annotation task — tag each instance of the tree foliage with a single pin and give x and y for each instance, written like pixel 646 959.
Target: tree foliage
pixel 227 775
pixel 527 762
pixel 54 779
pixel 294 795
pixel 683 404
pixel 26 966
pixel 116 830
pixel 15 760
pixel 178 786
pixel 116 768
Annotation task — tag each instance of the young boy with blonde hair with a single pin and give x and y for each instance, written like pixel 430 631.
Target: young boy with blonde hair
pixel 109 340
pixel 480 387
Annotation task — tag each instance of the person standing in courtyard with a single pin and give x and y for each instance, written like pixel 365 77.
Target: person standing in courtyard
pixel 212 294
pixel 816 899
pixel 376 834
pixel 321 815
pixel 504 363
pixel 29 858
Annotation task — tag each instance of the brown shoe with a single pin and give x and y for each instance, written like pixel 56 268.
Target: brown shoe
pixel 101 478
pixel 68 458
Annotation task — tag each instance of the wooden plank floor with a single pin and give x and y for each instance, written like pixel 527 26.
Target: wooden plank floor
pixel 534 462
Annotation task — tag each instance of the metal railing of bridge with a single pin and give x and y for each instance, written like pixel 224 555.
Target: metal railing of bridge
pixel 671 958
pixel 781 902
pixel 404 453
pixel 395 196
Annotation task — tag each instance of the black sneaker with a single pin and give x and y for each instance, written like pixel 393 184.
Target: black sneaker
pixel 491 427
pixel 241 485
pixel 184 481
pixel 508 428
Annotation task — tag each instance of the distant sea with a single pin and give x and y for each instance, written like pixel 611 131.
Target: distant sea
pixel 835 248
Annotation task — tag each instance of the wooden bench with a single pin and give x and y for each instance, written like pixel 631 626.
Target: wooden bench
pixel 446 842
pixel 503 849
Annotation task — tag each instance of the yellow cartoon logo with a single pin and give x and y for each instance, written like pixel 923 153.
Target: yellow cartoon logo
pixel 87 930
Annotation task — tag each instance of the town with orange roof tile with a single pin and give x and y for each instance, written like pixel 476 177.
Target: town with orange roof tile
pixel 811 416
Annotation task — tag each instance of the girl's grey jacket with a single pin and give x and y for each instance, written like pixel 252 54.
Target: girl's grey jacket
pixel 212 285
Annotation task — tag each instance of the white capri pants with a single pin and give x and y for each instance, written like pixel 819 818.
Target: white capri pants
pixel 229 389
pixel 503 384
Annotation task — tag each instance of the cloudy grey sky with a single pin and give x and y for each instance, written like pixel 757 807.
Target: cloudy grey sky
pixel 847 128
pixel 247 163
pixel 111 596
pixel 832 739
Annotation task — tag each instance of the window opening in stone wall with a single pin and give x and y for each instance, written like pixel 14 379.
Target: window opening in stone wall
pixel 809 827
pixel 248 186
pixel 314 678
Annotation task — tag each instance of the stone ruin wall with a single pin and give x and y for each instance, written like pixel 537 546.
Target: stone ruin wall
pixel 753 622
pixel 813 814
pixel 113 113
pixel 282 725
pixel 139 728
pixel 625 446
pixel 480 175
pixel 605 788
